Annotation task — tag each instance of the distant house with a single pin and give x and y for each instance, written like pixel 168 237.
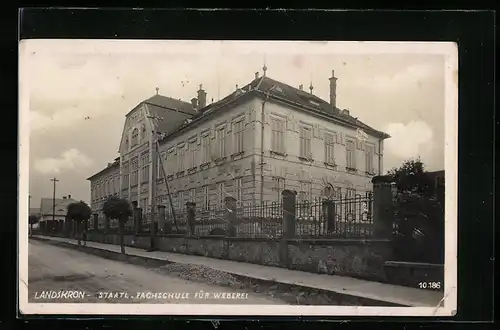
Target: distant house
pixel 51 209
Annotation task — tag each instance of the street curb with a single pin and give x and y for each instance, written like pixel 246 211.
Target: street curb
pixel 284 291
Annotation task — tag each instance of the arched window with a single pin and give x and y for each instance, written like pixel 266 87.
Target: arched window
pixel 126 143
pixel 135 137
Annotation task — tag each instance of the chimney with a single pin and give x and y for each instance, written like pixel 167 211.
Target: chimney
pixel 194 102
pixel 301 87
pixel 64 197
pixel 345 112
pixel 237 87
pixel 333 90
pixel 202 98
pixel 257 75
pixel 69 196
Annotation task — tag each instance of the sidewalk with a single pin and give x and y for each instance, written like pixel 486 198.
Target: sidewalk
pixel 340 284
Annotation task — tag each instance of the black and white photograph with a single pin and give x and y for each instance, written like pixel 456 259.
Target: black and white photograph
pixel 238 177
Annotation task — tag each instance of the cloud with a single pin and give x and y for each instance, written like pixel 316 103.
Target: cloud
pixel 412 77
pixel 411 140
pixel 71 159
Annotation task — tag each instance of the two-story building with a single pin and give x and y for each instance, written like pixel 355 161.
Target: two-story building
pixel 263 138
pixel 104 183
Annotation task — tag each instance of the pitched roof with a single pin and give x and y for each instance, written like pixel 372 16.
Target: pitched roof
pixel 173 112
pixel 61 204
pixel 115 163
pixel 280 91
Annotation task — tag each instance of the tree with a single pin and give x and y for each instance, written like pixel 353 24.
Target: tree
pixel 410 178
pixel 79 212
pixel 120 209
pixel 420 216
pixel 33 219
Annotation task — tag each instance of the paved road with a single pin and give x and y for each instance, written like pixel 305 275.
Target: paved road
pixel 60 275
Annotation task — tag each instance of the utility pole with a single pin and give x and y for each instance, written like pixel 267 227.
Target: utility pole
pixel 54 200
pixel 156 158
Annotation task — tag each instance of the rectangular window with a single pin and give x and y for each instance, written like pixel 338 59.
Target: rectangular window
pixel 144 205
pixel 277 135
pixel 192 154
pixel 161 162
pixel 205 149
pixel 126 176
pixel 206 200
pixel 180 201
pixel 180 158
pixel 351 202
pixel 172 162
pixel 145 168
pixel 134 177
pixel 221 142
pixel 238 136
pixel 239 192
pixel 369 154
pixel 350 154
pixel 221 194
pixel 192 195
pixel 330 148
pixel 305 142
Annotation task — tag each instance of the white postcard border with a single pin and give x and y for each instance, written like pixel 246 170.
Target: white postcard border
pixel 447 49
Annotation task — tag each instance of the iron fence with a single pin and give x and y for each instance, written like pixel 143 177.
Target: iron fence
pixel 341 217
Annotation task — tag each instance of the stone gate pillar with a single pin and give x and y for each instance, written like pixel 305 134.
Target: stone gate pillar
pixel 383 207
pixel 230 204
pixel 289 221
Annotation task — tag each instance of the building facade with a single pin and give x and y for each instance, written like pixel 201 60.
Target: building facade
pixel 103 184
pixel 261 139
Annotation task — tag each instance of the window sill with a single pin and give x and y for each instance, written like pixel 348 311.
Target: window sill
pixel 205 165
pixel 192 169
pixel 370 173
pixel 170 177
pixel 133 185
pixel 220 159
pixel 236 154
pixel 143 182
pixel 306 159
pixel 180 173
pixel 332 165
pixel 351 169
pixel 277 153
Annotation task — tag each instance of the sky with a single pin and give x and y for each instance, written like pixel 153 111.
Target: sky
pixel 79 92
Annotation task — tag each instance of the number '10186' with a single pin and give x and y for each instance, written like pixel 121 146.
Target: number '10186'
pixel 429 285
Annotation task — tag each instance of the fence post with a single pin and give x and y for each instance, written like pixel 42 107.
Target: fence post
pixel 328 207
pixel 230 203
pixel 162 210
pixel 95 218
pixel 383 207
pixel 289 220
pixel 137 212
pixel 190 210
pixel 106 224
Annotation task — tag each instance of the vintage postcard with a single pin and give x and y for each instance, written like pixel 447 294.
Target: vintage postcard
pixel 238 178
